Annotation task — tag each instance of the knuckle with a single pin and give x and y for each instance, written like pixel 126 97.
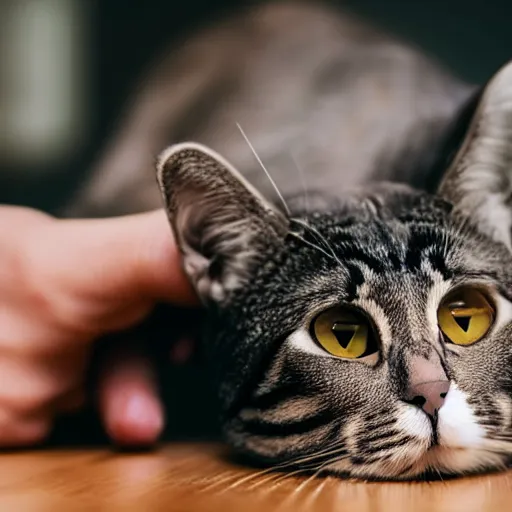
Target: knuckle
pixel 27 387
pixel 53 305
pixel 28 276
pixel 45 294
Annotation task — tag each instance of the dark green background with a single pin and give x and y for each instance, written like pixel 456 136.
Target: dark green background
pixel 473 38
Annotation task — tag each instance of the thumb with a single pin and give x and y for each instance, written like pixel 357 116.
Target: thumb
pixel 128 256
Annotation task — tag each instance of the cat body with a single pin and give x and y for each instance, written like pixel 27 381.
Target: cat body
pixel 326 101
pixel 359 314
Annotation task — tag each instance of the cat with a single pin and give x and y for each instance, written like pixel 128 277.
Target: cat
pixel 359 311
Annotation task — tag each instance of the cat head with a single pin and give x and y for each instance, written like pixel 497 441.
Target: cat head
pixel 371 338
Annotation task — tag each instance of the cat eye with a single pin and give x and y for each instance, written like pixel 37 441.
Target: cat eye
pixel 344 333
pixel 465 316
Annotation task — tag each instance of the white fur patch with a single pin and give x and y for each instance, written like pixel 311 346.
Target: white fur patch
pixel 457 425
pixel 460 460
pixel 414 422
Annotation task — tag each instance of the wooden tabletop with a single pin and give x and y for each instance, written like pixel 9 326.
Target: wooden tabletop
pixel 198 478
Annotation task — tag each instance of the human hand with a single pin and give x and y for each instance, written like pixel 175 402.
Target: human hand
pixel 63 284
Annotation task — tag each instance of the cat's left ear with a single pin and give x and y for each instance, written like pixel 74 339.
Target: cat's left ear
pixel 223 226
pixel 479 180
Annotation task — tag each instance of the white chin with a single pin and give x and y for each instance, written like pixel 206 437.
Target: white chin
pixel 456 461
pixel 437 460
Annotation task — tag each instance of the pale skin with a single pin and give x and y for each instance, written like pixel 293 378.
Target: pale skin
pixel 64 284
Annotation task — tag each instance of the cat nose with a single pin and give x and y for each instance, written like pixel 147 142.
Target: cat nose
pixel 428 384
pixel 428 396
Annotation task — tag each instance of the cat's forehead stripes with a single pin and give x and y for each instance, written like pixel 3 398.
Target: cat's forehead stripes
pixel 383 252
pixel 373 253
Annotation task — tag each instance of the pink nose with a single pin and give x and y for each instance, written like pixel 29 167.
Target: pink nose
pixel 428 384
pixel 428 396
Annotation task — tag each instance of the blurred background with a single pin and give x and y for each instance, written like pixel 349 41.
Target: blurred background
pixel 67 68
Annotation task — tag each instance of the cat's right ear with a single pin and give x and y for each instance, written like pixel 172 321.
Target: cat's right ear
pixel 223 226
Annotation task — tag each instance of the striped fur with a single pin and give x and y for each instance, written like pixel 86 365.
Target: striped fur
pixel 397 262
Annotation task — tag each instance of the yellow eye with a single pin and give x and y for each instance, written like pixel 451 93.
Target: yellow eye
pixel 465 316
pixel 344 333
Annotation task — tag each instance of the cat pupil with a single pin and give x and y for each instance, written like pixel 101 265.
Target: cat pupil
pixel 463 322
pixel 343 333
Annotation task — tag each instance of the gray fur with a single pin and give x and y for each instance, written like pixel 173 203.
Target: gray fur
pixel 362 117
pixel 310 85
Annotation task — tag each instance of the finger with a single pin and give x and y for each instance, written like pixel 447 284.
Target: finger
pixel 92 269
pixel 127 256
pixel 131 410
pixel 29 387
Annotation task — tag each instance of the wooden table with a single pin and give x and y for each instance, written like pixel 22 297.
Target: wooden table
pixel 198 478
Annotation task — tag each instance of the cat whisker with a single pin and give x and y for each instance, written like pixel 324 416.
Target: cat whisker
pixel 286 476
pixel 253 150
pixel 323 453
pixel 308 480
pixel 285 205
pixel 303 182
pixel 219 482
pixel 296 235
pixel 313 495
pixel 319 235
pixel 274 480
pixel 306 207
pixel 328 450
pixel 253 476
pixel 439 474
pixel 311 478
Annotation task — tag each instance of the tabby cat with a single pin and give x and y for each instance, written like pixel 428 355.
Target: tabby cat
pixel 359 312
